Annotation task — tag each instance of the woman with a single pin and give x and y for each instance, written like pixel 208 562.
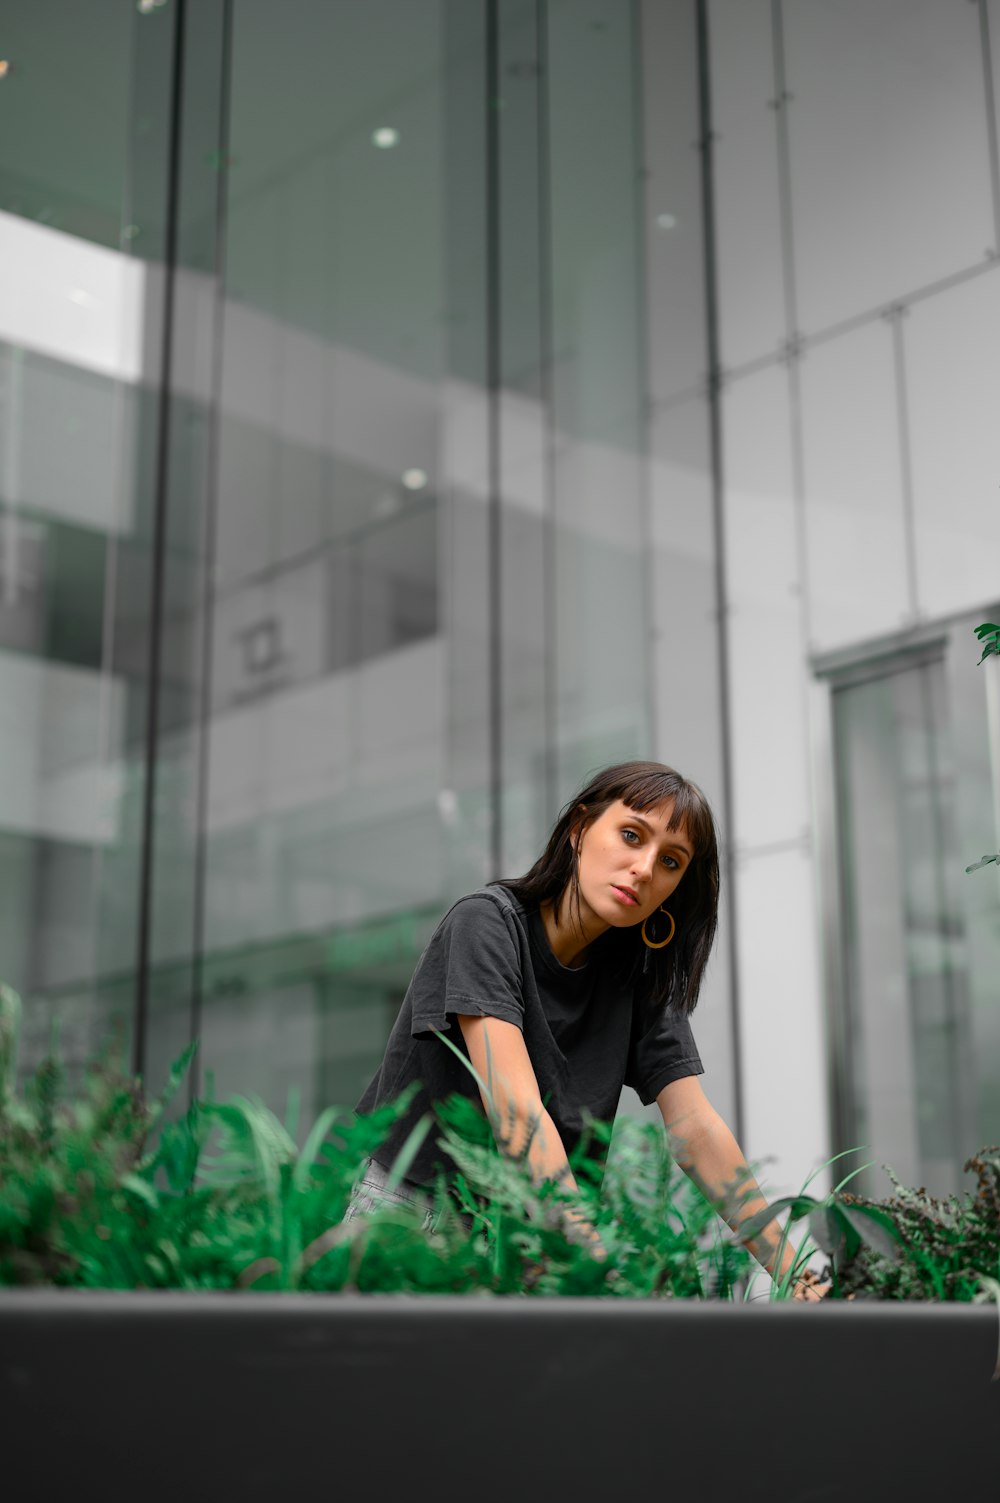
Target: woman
pixel 565 984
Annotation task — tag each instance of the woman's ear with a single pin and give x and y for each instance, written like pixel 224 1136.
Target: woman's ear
pixel 576 833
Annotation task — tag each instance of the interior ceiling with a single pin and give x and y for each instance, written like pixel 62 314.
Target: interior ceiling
pixel 335 64
pixel 324 231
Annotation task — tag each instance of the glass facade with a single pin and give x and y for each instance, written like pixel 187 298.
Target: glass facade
pixel 408 407
pixel 376 449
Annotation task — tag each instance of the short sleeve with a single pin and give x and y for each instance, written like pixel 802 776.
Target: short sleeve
pixel 665 1052
pixel 471 965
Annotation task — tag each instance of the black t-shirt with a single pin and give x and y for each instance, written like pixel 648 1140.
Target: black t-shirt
pixel 586 1029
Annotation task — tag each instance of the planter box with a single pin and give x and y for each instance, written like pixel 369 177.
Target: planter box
pixel 176 1396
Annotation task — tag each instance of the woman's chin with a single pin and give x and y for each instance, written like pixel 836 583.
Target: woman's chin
pixel 621 915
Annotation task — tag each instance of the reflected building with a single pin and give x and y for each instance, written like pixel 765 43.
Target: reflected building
pixel 406 409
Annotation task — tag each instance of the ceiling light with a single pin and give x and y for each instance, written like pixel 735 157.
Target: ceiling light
pixel 666 221
pixel 81 298
pixel 414 480
pixel 385 137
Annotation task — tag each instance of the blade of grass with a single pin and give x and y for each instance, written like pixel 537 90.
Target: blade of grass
pixel 408 1152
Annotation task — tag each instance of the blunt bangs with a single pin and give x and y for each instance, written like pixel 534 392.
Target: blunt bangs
pixel 690 807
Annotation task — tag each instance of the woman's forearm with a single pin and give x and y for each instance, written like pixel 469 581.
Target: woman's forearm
pixel 547 1160
pixel 710 1155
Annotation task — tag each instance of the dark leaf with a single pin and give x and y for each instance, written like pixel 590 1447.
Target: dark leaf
pixel 875 1227
pixel 834 1233
pixel 797 1205
pixel 986 861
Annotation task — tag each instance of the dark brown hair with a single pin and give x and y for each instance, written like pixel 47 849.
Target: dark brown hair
pixel 672 975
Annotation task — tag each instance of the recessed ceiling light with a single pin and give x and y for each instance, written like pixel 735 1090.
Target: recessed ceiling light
pixel 145 6
pixel 81 298
pixel 666 221
pixel 414 480
pixel 385 137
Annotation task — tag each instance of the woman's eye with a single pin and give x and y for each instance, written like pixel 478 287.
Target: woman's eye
pixel 670 863
pixel 630 834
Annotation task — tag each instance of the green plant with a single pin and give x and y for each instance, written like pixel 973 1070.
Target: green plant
pixel 85 1201
pixel 949 1246
pixel 839 1225
pixel 99 1189
pixel 223 1198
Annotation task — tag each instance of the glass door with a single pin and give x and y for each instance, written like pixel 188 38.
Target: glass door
pixel 914 1016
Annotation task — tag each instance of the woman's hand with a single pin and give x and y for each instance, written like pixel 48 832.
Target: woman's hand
pixel 807 1287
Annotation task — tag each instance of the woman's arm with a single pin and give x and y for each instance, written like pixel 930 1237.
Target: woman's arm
pixel 513 1105
pixel 704 1146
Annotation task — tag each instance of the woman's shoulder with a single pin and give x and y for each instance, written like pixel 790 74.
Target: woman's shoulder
pixel 483 905
pixel 482 933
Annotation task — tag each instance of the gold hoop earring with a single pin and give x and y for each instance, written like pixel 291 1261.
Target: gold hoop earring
pixel 650 943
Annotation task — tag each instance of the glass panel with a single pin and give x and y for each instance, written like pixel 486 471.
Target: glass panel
pixel 974 692
pixel 745 164
pixel 84 127
pixel 782 1045
pixel 594 221
pixel 183 485
pixel 527 728
pixel 764 615
pixel 678 358
pixel 600 624
pixel 855 537
pixel 889 150
pixel 907 1023
pixel 686 690
pixel 954 394
pixel 348 786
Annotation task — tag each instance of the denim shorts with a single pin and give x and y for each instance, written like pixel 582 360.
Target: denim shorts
pixel 370 1192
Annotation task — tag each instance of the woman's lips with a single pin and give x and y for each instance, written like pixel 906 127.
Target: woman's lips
pixel 624 896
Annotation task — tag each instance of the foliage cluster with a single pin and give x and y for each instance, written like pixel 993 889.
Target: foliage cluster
pixel 225 1199
pixel 953 1243
pixel 99 1189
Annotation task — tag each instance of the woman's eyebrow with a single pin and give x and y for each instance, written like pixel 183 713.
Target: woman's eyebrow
pixel 677 845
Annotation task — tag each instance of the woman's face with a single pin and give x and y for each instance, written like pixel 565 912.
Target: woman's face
pixel 629 864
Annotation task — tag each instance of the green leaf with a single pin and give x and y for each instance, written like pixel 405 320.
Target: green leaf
pixel 827 1162
pixel 307 1157
pixel 408 1152
pixel 875 1227
pixel 142 1189
pixel 10 1032
pixel 834 1233
pixel 798 1205
pixel 480 1082
pixel 989 635
pixel 177 1072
